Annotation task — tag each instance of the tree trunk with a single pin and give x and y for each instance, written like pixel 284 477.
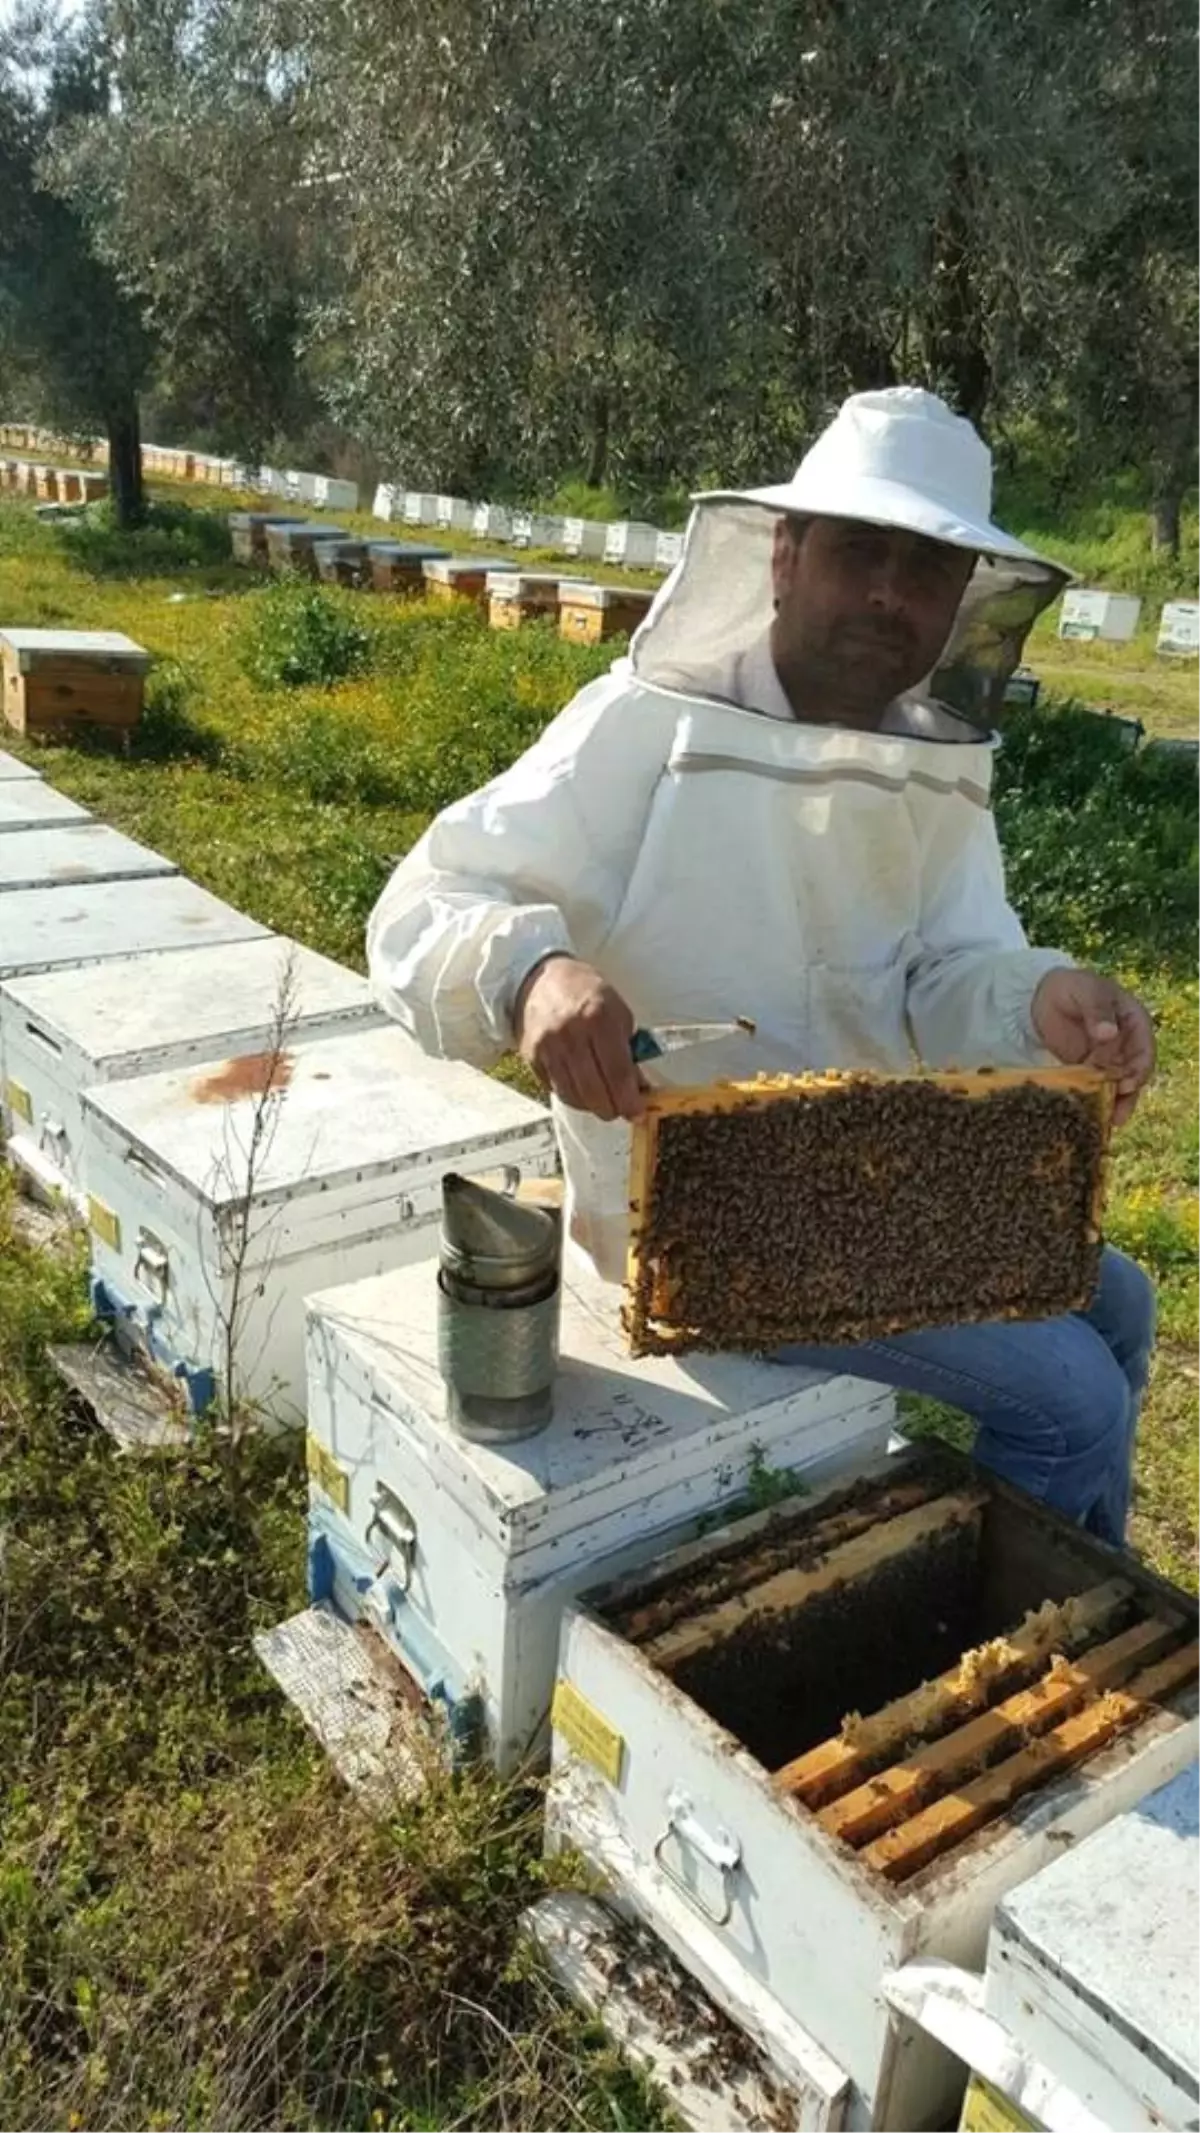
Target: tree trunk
pixel 1164 521
pixel 957 339
pixel 597 469
pixel 125 465
pixel 1173 470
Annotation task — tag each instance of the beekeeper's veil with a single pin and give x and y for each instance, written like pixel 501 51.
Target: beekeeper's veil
pixel 894 458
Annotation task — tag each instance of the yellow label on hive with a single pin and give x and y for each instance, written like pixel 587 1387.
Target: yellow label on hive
pixel 325 1471
pixel 19 1101
pixel 587 1731
pixel 106 1224
pixel 986 2110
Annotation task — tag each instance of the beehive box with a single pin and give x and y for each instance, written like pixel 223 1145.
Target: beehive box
pixel 537 529
pixel 399 566
pixel 336 495
pixel 668 550
pixel 589 613
pixel 60 682
pixel 1093 1966
pixel 517 596
pixel 462 577
pixel 28 804
pixel 94 487
pixel 47 484
pixel 13 769
pixel 632 543
pixel 492 522
pixel 824 1743
pixel 194 1234
pixel 454 514
pixel 584 536
pixel 837 1207
pixel 420 507
pixel 1179 627
pixel 73 854
pixel 505 1534
pixel 342 563
pixel 53 929
pixel 292 545
pixel 1088 614
pixel 248 533
pixel 67 1031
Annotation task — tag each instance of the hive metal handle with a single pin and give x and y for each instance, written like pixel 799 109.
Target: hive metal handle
pixel 718 1848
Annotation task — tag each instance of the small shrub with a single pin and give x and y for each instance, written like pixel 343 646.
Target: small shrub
pixel 1099 839
pixel 299 635
pixel 167 731
pixel 171 537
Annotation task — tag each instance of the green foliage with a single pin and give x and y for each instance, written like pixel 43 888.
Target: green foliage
pixel 170 537
pixel 298 633
pixel 1099 839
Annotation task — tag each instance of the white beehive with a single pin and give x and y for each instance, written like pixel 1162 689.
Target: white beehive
pixel 686 1691
pixel 632 543
pixel 502 1538
pixel 420 507
pixel 52 929
pixel 454 512
pixel 1093 1966
pixel 335 495
pixel 29 804
pixel 584 536
pixel 213 1200
pixel 73 854
pixel 301 485
pixel 668 549
pixel 492 522
pixel 387 501
pixel 1179 627
pixel 1111 618
pixel 66 1031
pixel 11 766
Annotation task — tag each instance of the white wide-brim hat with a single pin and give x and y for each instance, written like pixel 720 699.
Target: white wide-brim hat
pixel 894 458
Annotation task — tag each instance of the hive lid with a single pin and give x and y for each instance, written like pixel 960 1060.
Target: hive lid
pixel 241 520
pixel 1113 1928
pixel 408 551
pixel 174 997
pixel 366 1106
pixel 452 566
pixel 577 594
pixel 30 646
pixel 78 852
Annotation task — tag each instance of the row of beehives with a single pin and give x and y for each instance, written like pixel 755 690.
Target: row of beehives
pixel 630 542
pixel 176 464
pixel 52 485
pixel 1091 616
pixel 231 1114
pixel 509 596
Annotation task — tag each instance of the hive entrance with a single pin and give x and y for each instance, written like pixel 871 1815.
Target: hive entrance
pixel 919 1657
pixel 832 1207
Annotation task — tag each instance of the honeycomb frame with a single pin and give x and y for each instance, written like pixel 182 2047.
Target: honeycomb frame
pixel 660 1314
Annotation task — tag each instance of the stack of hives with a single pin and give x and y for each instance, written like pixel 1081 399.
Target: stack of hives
pixel 833 1208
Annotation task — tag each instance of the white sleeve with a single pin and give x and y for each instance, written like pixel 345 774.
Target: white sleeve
pixel 972 980
pixel 537 861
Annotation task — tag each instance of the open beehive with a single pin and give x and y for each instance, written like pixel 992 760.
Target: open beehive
pixel 840 1207
pixel 979 1684
pixel 825 1742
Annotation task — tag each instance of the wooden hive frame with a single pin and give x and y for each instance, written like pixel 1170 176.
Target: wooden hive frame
pixel 651 1317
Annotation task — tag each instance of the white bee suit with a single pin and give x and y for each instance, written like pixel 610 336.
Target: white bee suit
pixel 679 828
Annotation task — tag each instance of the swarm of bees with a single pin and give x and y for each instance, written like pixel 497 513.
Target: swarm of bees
pixel 843 1207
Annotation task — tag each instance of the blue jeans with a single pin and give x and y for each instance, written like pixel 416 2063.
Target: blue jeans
pixel 1056 1399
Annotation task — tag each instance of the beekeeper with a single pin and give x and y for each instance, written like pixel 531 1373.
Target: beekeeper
pixel 765 810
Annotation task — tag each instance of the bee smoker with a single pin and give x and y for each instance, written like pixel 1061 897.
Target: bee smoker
pixel 498 1310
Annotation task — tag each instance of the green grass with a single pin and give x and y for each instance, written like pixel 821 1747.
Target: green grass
pixel 197 1927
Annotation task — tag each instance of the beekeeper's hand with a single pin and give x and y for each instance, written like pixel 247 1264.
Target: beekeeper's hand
pixel 1087 1020
pixel 575 1032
